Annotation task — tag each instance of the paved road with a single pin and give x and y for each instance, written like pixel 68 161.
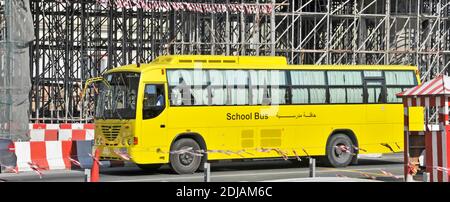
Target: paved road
pixel 278 170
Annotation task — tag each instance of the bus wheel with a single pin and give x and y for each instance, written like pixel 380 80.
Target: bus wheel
pixel 339 151
pixel 185 163
pixel 149 167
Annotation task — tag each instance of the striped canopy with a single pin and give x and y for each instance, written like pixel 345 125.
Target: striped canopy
pixel 438 86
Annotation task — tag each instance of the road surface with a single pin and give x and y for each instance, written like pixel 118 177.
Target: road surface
pixel 267 170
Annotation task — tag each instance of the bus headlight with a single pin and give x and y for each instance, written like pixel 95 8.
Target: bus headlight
pixel 130 141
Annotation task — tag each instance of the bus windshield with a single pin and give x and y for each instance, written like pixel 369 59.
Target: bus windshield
pixel 118 101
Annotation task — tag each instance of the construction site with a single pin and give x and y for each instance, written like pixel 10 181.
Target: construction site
pixel 50 48
pixel 76 40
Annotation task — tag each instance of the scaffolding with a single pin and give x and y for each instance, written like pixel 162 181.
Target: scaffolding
pixel 80 39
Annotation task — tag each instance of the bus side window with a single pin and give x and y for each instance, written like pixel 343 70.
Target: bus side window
pixel 180 87
pixel 267 87
pixel 236 82
pixel 217 87
pixel 375 91
pixel 185 91
pixel 345 86
pixel 154 101
pixel 175 96
pixel 150 96
pixel 398 81
pixel 400 78
pixel 308 86
pixel 391 94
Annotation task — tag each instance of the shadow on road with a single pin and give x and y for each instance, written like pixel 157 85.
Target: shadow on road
pixel 248 166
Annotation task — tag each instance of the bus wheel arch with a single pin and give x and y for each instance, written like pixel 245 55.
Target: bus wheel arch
pixel 195 136
pixel 193 140
pixel 347 132
pixel 341 137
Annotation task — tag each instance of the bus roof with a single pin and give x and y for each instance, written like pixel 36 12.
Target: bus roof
pixel 242 62
pixel 219 59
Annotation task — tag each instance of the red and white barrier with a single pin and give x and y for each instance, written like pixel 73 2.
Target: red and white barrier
pixel 53 155
pixel 64 131
pixel 44 132
pixel 58 155
pixel 59 146
pixel 48 155
pixel 75 131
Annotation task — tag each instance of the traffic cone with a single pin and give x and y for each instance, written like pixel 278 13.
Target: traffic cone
pixel 95 171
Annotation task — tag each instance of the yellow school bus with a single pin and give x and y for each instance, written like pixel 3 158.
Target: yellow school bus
pixel 177 109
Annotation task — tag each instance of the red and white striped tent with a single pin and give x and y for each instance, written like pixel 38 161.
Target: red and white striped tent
pixel 436 87
pixel 434 93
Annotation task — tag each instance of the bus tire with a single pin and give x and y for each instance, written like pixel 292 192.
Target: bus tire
pixel 185 163
pixel 149 167
pixel 336 157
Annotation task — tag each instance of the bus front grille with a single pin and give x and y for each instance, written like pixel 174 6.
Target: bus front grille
pixel 110 132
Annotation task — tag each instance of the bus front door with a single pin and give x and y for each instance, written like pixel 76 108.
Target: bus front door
pixel 154 116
